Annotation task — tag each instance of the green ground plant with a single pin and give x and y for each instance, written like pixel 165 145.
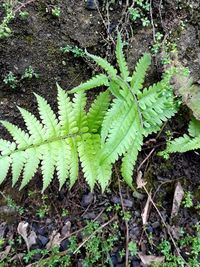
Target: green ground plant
pixel 94 137
pixel 56 11
pixel 5 30
pixel 11 80
pixel 75 50
pixel 186 142
pixel 140 11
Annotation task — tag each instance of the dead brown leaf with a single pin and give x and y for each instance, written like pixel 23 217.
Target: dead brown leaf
pixel 147 260
pixel 178 196
pixel 139 181
pixel 22 230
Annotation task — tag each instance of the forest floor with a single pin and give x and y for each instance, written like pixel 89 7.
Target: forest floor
pixel 119 226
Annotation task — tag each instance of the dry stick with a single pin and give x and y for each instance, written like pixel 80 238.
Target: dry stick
pixel 147 157
pixel 163 221
pixel 23 5
pixel 152 22
pixel 126 223
pixel 96 231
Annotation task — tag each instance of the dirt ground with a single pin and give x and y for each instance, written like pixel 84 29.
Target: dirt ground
pixel 36 41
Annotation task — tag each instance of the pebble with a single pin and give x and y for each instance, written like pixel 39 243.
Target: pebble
pixel 92 4
pixel 43 240
pixel 87 199
pixel 89 216
pixel 127 202
pixel 135 263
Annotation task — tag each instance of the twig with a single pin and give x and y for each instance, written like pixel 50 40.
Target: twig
pixel 152 22
pixel 22 5
pixel 147 157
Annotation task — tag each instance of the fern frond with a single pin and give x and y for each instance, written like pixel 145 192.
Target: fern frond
pixel 97 112
pixel 73 164
pixel 111 71
pixel 111 117
pixel 184 143
pixel 35 128
pixel 4 167
pixel 18 160
pixel 79 114
pixel 48 165
pixel 140 72
pixel 21 137
pixel 65 110
pixel 181 145
pixel 129 160
pixel 96 81
pixel 121 135
pixel 47 117
pixel 62 161
pixel 33 159
pixel 104 174
pixel 6 147
pixel 88 148
pixel 121 59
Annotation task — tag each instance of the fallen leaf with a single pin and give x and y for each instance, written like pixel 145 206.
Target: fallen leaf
pixel 32 238
pixel 29 239
pixel 147 260
pixel 65 232
pixel 139 181
pixel 55 240
pixel 4 254
pixel 178 196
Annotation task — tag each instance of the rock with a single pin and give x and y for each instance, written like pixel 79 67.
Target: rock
pixel 89 216
pixel 127 202
pixel 87 199
pixel 43 240
pixel 135 263
pixel 114 259
pixel 64 244
pixel 92 4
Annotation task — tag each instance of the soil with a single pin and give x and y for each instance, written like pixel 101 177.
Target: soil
pixel 36 41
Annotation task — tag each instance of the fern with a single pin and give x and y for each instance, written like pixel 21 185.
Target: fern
pixel 186 142
pixel 98 138
pixel 55 143
pixel 134 112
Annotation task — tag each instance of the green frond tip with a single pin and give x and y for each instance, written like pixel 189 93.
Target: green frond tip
pixel 104 64
pixel 121 59
pixel 96 81
pixel 140 72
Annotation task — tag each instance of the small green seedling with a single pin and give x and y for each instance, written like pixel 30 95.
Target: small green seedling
pixel 56 12
pixel 11 80
pixel 23 15
pixel 75 50
pixel 29 73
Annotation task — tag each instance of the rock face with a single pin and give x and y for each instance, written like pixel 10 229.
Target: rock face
pixel 189 50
